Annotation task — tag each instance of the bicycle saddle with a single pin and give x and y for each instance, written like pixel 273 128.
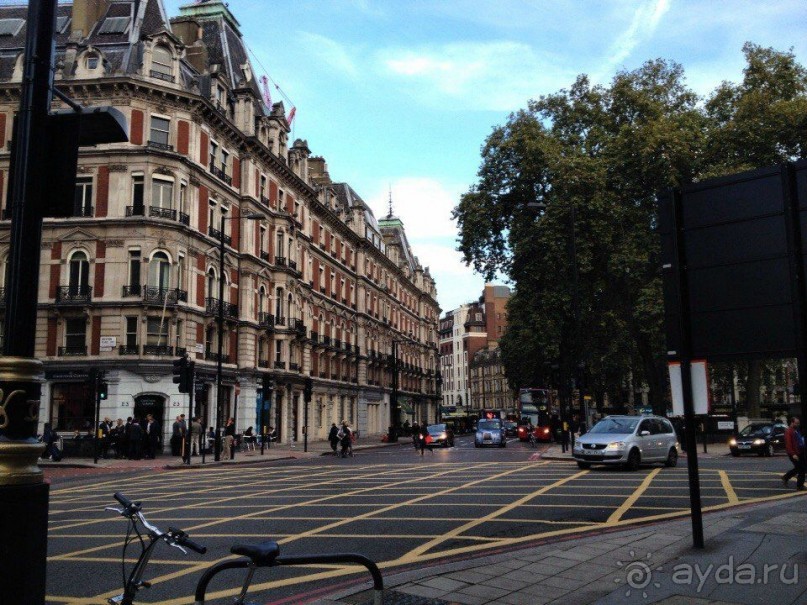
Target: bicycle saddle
pixel 262 554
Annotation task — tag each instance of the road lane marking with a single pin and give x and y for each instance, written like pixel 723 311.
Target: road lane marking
pixel 730 493
pixel 617 514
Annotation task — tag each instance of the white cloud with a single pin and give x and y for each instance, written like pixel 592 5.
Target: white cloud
pixel 645 20
pixel 424 206
pixel 330 52
pixel 495 75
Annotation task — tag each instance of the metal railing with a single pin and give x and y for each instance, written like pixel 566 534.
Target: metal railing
pixel 216 234
pixel 82 210
pixel 159 212
pixel 280 261
pixel 265 255
pixel 280 365
pixel 294 367
pixel 160 146
pixel 169 296
pixel 266 320
pixel 129 350
pixel 72 351
pixel 299 326
pixel 263 363
pixel 280 320
pixel 220 174
pixel 73 295
pixel 163 350
pixel 293 265
pixel 135 210
pixel 211 356
pixel 212 308
pixel 161 76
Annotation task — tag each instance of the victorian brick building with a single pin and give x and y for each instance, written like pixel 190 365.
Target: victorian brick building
pixel 313 284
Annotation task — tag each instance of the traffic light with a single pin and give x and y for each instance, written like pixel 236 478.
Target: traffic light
pixel 308 390
pixel 180 367
pixel 103 389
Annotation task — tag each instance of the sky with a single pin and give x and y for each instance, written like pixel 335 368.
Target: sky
pixel 400 94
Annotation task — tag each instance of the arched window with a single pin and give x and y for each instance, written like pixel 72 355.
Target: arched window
pixel 261 300
pixel 162 61
pixel 79 273
pixel 160 271
pixel 279 304
pixel 212 291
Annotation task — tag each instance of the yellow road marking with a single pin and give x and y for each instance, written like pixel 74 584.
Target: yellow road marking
pixel 617 514
pixel 417 552
pixel 730 493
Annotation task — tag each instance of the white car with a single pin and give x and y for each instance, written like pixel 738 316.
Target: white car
pixel 628 441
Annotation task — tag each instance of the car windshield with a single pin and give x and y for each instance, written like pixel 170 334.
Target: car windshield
pixel 612 426
pixel 756 430
pixel 436 428
pixel 510 425
pixel 487 425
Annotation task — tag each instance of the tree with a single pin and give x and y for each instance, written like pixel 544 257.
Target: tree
pixel 565 206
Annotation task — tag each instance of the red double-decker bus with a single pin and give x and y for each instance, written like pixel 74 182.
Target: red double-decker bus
pixel 535 408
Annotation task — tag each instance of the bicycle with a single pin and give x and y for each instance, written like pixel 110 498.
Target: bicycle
pixel 533 440
pixel 263 554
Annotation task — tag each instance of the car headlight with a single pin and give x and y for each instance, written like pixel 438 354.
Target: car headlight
pixel 759 442
pixel 616 445
pixel 732 442
pixel 578 445
pixel 442 436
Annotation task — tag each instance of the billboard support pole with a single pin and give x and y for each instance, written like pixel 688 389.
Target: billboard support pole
pixel 686 377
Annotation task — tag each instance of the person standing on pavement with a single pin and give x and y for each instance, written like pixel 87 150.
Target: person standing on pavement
pixel 574 427
pixel 196 435
pixel 229 440
pixel 176 437
pixel 333 437
pixel 794 444
pixel 416 435
pixel 152 436
pixel 564 436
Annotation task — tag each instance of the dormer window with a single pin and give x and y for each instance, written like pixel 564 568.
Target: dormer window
pixel 91 62
pixel 162 63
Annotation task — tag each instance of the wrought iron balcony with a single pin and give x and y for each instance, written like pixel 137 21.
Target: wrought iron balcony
pixel 160 146
pixel 159 212
pixel 132 291
pixel 220 174
pixel 129 350
pixel 314 337
pixel 263 363
pixel 163 350
pixel 265 255
pixel 337 344
pixel 216 235
pixel 280 365
pixel 280 320
pixel 82 210
pixel 294 367
pixel 135 210
pixel 161 76
pixel 185 219
pixel 280 261
pixel 164 296
pixel 212 308
pixel 299 326
pixel 293 265
pixel 73 295
pixel 326 340
pixel 264 200
pixel 266 320
pixel 72 351
pixel 211 356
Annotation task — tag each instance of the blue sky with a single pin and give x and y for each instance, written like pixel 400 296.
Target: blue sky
pixel 402 93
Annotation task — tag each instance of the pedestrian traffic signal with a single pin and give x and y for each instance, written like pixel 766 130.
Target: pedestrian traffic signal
pixel 103 390
pixel 308 390
pixel 181 374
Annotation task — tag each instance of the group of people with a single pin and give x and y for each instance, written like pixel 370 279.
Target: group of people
pixel 342 436
pixel 135 439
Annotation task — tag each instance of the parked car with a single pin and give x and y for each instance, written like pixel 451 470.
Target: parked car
pixel 627 441
pixel 510 428
pixel 490 432
pixel 761 438
pixel 441 435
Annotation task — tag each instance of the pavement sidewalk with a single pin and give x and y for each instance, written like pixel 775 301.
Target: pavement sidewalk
pixel 755 554
pixel 282 451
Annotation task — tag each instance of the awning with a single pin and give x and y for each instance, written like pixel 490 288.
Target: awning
pixel 406 408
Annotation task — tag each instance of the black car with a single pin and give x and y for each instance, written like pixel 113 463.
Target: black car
pixel 510 428
pixel 761 438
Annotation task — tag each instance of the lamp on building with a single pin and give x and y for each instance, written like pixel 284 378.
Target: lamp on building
pixel 254 216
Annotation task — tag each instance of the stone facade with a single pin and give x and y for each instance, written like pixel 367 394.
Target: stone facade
pixel 313 284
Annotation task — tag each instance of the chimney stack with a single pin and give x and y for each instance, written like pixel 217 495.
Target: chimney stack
pixel 86 14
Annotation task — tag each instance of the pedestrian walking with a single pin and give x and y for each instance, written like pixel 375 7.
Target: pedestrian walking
pixel 574 428
pixel 346 440
pixel 425 439
pixel 416 436
pixel 229 440
pixel 333 437
pixel 564 437
pixel 794 444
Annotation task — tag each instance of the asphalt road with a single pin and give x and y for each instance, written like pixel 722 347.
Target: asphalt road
pixel 400 509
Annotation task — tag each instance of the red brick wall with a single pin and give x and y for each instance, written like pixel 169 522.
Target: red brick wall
pixel 273 193
pixel 50 347
pixel 237 173
pixel 136 128
pixel 95 338
pixel 55 270
pixel 183 137
pixel 200 282
pixel 204 208
pixel 236 228
pixel 102 197
pixel 98 288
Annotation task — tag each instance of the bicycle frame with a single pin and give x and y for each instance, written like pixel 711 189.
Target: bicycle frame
pixel 135 581
pixel 250 566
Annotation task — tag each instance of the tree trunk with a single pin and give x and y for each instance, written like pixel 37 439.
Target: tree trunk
pixel 752 388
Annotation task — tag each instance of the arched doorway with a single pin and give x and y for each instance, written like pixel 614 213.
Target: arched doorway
pixel 151 404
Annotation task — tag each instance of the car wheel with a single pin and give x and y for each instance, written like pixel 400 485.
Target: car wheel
pixel 633 461
pixel 769 450
pixel 476 444
pixel 504 443
pixel 672 458
pixel 583 465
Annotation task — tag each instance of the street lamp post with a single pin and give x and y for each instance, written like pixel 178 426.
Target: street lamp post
pixel 220 320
